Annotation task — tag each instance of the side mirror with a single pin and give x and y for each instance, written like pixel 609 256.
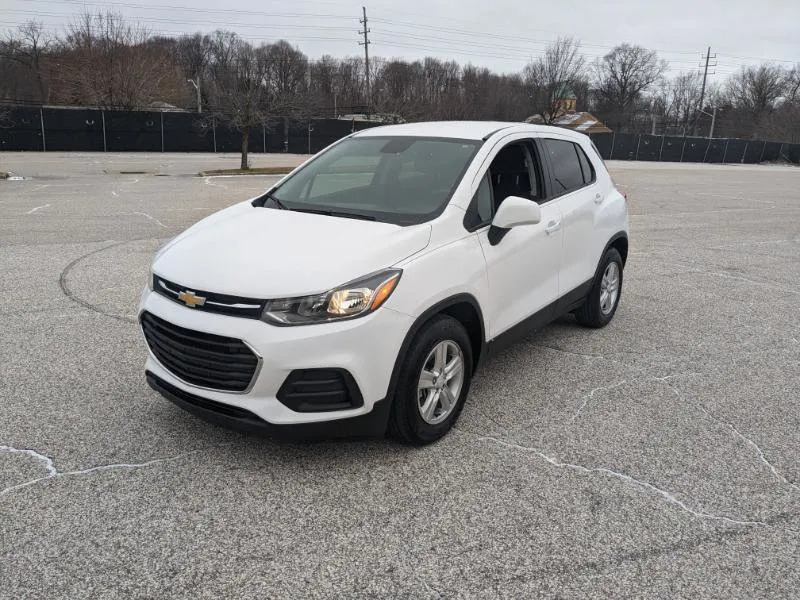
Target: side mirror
pixel 515 211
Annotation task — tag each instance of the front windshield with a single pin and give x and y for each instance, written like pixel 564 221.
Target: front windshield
pixel 402 180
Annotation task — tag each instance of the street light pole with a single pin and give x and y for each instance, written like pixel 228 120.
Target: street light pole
pixel 713 119
pixel 199 99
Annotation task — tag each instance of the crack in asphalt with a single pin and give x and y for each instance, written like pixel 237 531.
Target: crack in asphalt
pixel 668 496
pixel 54 473
pixel 589 396
pixel 62 283
pixel 759 452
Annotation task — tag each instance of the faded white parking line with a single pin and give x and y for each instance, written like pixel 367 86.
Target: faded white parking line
pixel 33 210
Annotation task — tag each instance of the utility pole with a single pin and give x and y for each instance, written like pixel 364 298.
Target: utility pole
pixel 366 44
pixel 703 88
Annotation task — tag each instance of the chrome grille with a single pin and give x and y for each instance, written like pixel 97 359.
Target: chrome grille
pixel 234 306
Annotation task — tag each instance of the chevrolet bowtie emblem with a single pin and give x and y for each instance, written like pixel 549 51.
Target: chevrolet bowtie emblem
pixel 191 299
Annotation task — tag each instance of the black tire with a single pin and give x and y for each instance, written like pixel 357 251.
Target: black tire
pixel 591 314
pixel 405 421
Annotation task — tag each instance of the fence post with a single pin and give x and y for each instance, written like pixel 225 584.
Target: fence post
pixel 708 147
pixel 638 143
pixel 613 140
pixel 214 132
pixel 105 145
pixel 162 131
pixel 264 136
pixel 744 154
pixel 763 150
pixel 780 151
pixel 725 153
pixel 41 120
pixel 661 152
pixel 683 148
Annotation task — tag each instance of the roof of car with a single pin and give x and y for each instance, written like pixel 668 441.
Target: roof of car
pixel 465 130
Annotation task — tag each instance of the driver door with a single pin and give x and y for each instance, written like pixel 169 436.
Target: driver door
pixel 523 265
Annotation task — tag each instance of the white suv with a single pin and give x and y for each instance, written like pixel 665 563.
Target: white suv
pixel 363 290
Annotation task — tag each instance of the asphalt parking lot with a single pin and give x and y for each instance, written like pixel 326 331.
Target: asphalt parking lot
pixel 657 458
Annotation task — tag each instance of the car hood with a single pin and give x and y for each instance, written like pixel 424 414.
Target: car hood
pixel 268 253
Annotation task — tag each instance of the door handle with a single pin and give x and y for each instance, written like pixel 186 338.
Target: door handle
pixel 552 226
pixel 598 198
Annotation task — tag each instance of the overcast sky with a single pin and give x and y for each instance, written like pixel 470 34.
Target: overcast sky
pixel 500 34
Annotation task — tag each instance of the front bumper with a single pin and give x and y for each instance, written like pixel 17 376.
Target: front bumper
pixel 372 424
pixel 366 348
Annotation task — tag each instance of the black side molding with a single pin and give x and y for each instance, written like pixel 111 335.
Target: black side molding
pixel 567 303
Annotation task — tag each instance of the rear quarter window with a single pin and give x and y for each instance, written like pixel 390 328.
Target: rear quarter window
pixel 565 165
pixel 587 167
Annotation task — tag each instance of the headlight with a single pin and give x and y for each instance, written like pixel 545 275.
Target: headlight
pixel 353 299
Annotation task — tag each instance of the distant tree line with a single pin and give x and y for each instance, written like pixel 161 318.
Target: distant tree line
pixel 103 60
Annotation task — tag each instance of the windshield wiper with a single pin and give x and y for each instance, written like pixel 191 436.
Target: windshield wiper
pixel 275 201
pixel 348 215
pixel 335 213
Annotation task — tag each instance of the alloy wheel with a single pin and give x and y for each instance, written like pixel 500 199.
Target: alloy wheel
pixel 440 382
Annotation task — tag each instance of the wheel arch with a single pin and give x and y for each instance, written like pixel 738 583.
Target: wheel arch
pixel 619 241
pixel 465 309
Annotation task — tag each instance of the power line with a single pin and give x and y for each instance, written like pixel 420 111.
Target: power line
pixel 394 22
pixel 462 47
pixel 184 21
pixel 504 36
pixel 248 13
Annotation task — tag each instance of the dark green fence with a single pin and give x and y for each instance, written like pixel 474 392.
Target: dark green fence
pixel 83 129
pixel 629 146
pixel 79 129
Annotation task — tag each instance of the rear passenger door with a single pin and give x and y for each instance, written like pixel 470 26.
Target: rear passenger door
pixel 578 195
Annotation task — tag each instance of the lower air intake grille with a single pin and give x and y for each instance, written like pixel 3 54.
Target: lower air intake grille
pixel 320 390
pixel 202 359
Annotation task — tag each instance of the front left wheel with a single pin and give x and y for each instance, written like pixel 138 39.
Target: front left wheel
pixel 433 383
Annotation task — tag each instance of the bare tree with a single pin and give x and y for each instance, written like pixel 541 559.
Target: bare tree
pixel 108 62
pixel 240 73
pixel 793 84
pixel 757 89
pixel 30 46
pixel 287 69
pixel 550 77
pixel 621 78
pixel 678 100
